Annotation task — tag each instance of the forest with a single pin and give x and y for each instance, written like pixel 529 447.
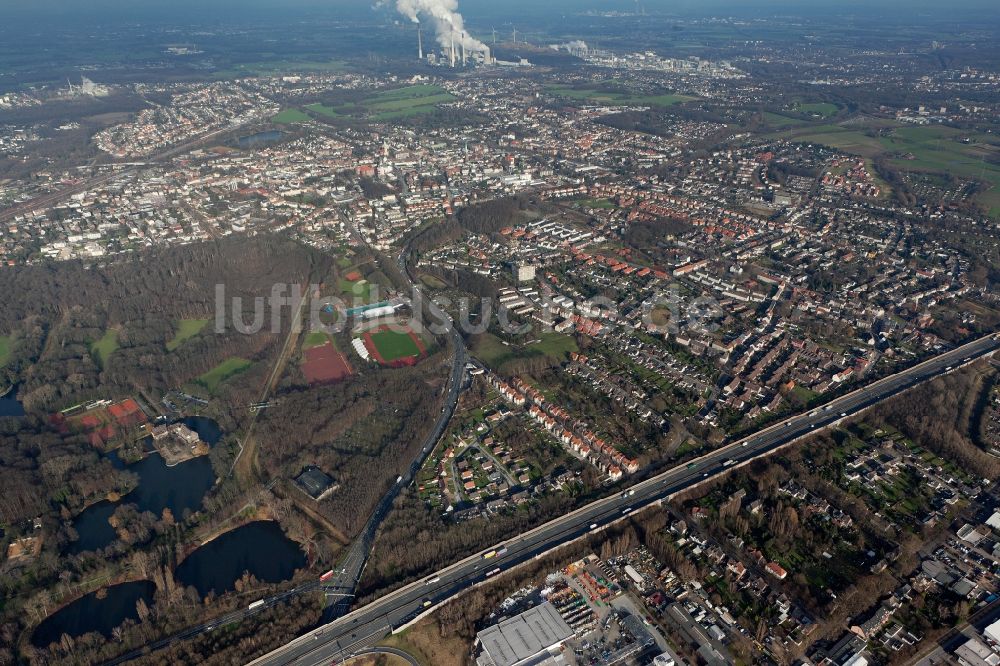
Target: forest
pixel 101 332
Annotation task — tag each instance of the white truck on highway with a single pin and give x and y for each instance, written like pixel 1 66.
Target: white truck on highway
pixel 255 605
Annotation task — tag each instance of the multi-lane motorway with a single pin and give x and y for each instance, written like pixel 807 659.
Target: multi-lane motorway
pixel 352 632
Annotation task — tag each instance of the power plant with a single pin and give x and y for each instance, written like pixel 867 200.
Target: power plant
pixel 455 54
pixel 445 21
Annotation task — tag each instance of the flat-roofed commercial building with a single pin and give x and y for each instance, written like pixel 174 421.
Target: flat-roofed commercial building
pixel 528 638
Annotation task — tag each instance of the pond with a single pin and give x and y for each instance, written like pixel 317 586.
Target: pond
pixel 180 488
pixel 260 139
pixel 259 547
pixel 9 404
pixel 88 613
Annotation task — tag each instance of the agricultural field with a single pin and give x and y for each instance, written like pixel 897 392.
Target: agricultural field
pixel 824 109
pixel 778 121
pixel 945 150
pixel 932 148
pixel 289 116
pixel 385 105
pixel 220 373
pixel 409 101
pixel 105 347
pixel 285 66
pixel 186 329
pixel 322 110
pixel 598 96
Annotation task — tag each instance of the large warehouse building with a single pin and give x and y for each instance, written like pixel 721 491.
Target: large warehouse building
pixel 529 638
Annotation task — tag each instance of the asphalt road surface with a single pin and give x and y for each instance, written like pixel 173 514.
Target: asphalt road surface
pixel 348 634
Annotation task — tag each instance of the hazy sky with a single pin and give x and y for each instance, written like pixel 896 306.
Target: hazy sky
pixel 193 11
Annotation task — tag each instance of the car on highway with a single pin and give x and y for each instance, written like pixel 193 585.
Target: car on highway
pixel 593 526
pixel 427 602
pixel 431 581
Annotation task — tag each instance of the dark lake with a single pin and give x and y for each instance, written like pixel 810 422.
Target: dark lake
pixel 9 404
pixel 259 547
pixel 207 429
pixel 179 488
pixel 260 139
pixel 89 613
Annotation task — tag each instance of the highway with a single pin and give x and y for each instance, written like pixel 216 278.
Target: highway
pixel 365 626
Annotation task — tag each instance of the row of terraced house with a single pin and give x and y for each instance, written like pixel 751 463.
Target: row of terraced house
pixel 575 435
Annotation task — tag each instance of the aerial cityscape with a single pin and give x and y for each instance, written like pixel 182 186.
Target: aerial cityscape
pixel 440 333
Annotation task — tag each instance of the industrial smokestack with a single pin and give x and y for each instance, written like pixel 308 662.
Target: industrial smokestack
pixel 444 20
pixel 420 44
pixel 464 61
pixel 453 49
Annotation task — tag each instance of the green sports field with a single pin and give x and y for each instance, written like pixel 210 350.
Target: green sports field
pixel 393 345
pixel 315 339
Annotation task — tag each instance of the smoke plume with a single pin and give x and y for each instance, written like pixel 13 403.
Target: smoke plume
pixel 574 46
pixel 444 18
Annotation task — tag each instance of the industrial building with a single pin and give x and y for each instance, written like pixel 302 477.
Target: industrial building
pixel 315 482
pixel 533 637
